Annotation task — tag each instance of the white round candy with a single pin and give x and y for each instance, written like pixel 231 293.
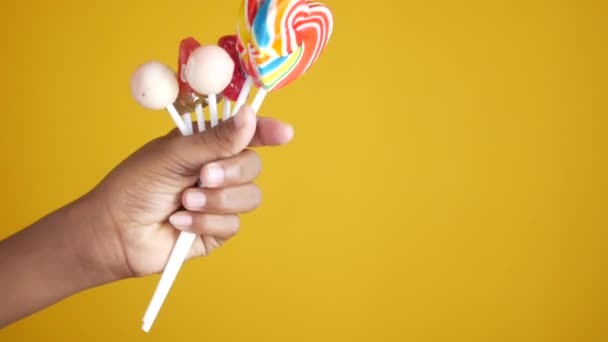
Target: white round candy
pixel 209 69
pixel 154 85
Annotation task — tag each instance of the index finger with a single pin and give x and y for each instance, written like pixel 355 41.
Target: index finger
pixel 271 132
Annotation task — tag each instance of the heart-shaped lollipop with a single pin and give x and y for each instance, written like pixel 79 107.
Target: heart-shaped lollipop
pixel 285 39
pixel 312 27
pixel 274 28
pixel 246 15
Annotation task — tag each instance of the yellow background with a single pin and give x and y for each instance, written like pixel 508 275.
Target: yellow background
pixel 447 181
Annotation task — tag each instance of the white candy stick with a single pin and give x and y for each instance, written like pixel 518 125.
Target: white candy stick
pixel 213 109
pixel 177 119
pixel 243 95
pixel 208 71
pixel 226 109
pixel 178 255
pixel 188 120
pixel 258 99
pixel 176 259
pixel 200 117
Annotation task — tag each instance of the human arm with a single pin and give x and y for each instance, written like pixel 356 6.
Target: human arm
pixel 122 229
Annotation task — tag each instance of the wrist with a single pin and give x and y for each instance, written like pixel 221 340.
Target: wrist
pixel 63 253
pixel 96 242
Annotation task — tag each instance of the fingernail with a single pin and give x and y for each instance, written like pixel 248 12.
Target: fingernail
pixel 213 175
pixel 195 199
pixel 181 220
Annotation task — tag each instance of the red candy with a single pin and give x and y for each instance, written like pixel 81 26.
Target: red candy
pixel 185 49
pixel 187 98
pixel 232 91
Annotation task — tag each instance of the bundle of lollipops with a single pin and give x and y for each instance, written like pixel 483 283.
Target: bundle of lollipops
pixel 276 42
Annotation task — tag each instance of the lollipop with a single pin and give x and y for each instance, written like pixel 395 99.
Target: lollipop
pixel 273 30
pixel 189 100
pixel 208 71
pixel 276 42
pixel 246 15
pixel 285 38
pixel 313 31
pixel 154 86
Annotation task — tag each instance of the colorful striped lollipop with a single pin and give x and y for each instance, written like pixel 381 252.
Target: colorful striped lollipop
pixel 315 31
pixel 246 15
pixel 285 38
pixel 273 31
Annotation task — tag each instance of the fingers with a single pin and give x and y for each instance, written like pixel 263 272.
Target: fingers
pixel 268 132
pixel 203 246
pixel 219 226
pixel 211 243
pixel 240 169
pixel 238 199
pixel 222 141
pixel 271 132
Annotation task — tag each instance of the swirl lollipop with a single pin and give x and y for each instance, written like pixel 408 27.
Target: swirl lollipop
pixel 285 38
pixel 246 15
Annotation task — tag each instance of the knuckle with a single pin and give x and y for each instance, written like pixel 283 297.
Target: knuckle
pixel 203 222
pixel 222 136
pixel 222 199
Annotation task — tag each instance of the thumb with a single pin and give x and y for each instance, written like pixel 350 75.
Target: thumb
pixel 228 138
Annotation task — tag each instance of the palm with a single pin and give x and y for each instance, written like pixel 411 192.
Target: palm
pixel 147 192
pixel 142 193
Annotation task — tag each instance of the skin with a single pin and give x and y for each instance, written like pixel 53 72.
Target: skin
pixel 127 225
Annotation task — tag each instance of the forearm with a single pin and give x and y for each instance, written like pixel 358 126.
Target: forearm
pixel 52 259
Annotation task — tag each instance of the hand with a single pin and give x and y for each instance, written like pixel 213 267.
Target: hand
pixel 210 211
pixel 139 198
